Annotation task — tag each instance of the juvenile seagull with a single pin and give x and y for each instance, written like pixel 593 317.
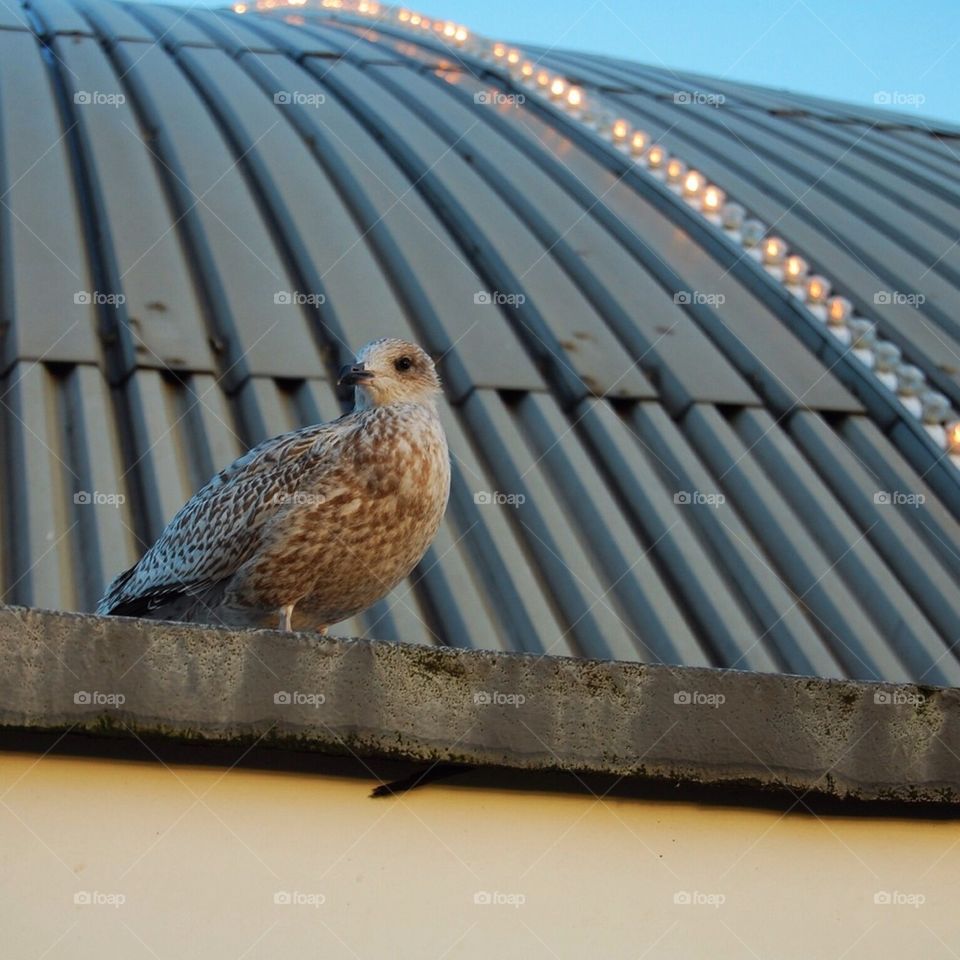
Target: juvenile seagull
pixel 325 520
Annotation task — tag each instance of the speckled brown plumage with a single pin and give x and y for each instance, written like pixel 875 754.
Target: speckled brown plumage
pixel 312 526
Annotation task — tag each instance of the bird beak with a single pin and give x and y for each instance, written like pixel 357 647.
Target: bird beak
pixel 354 373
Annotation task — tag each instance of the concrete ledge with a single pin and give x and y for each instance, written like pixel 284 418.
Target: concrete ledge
pixel 836 738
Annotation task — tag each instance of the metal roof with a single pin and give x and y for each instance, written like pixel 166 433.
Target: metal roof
pixel 203 214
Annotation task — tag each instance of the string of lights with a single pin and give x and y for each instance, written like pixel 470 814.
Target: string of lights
pixel 858 333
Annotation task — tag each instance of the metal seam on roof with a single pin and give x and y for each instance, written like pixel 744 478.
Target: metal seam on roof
pixel 684 169
pixel 825 131
pixel 796 638
pixel 921 331
pixel 501 51
pixel 628 329
pixel 881 150
pixel 374 229
pixel 880 264
pixel 733 346
pixel 117 346
pixel 483 255
pixel 497 577
pixel 232 367
pixel 855 640
pixel 324 328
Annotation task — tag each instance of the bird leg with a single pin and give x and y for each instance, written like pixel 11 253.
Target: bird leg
pixel 286 618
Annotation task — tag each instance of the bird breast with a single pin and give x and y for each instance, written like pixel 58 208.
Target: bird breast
pixel 356 528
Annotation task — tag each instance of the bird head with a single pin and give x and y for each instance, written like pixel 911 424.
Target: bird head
pixel 391 371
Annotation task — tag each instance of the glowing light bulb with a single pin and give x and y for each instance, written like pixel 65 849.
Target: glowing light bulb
pixel 732 216
pixel 692 183
pixel 575 97
pixel 838 311
pixel 499 50
pixel 620 130
pixel 656 156
pixel 415 19
pixel 794 269
pixel 526 68
pixel 676 168
pixel 543 79
pixel 713 199
pixel 403 16
pixel 558 88
pixel 513 57
pixel 818 289
pixel 425 23
pixel 774 250
pixel 638 142
pixel 239 8
pixel 953 438
pixel 461 35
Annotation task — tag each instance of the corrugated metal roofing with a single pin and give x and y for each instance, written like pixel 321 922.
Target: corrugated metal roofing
pixel 203 214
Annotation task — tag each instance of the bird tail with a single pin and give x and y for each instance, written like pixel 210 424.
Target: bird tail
pixel 199 603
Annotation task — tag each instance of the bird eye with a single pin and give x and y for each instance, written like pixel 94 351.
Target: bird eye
pixel 404 363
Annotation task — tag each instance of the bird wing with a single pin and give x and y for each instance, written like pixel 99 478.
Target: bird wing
pixel 220 527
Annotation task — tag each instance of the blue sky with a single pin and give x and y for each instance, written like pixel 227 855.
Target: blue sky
pixel 845 49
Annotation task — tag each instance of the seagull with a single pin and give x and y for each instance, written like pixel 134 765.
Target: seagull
pixel 324 521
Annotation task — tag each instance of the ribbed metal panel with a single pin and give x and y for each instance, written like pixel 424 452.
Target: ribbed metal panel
pixel 686 482
pixel 843 224
pixel 44 266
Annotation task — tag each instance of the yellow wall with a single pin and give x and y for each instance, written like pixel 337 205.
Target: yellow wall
pixel 199 855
